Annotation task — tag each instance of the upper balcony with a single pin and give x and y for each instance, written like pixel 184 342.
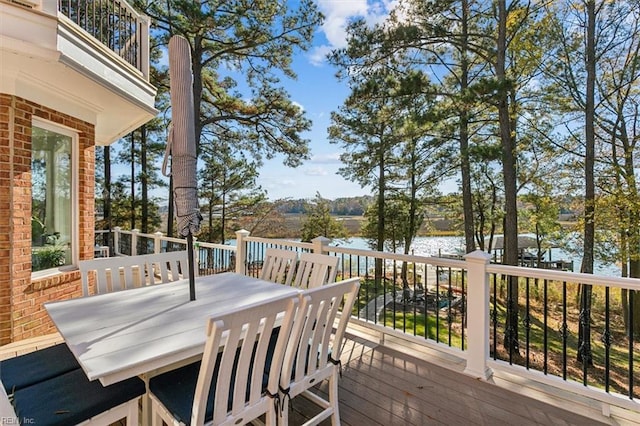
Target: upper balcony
pixel 88 59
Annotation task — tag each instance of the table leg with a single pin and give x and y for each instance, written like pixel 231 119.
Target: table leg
pixel 146 402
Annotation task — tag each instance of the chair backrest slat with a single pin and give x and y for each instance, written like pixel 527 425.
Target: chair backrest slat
pixel 279 266
pixel 313 341
pixel 124 272
pixel 315 270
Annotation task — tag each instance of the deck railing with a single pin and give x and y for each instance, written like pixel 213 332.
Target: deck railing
pixel 461 307
pixel 115 24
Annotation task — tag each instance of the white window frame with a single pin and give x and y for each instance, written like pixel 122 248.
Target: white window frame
pixel 75 213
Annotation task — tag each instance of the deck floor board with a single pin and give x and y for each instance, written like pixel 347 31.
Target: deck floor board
pixel 383 386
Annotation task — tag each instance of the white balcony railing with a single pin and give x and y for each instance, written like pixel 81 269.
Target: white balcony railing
pixel 115 24
pixel 460 307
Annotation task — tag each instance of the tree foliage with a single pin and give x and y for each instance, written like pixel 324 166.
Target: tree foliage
pixel 319 222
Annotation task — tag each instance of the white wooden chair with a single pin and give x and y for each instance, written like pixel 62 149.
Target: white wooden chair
pixel 313 353
pixel 279 266
pixel 315 270
pixel 228 387
pixel 124 272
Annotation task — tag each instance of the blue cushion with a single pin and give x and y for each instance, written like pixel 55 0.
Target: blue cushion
pixel 71 398
pixel 35 367
pixel 177 388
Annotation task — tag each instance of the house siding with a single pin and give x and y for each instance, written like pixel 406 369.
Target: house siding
pixel 22 314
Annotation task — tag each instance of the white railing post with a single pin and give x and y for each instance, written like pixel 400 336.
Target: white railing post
pixel 319 244
pixel 477 315
pixel 144 25
pixel 241 251
pixel 134 241
pixel 157 242
pixel 116 240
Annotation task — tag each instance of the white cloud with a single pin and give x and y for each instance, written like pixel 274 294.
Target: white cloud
pixel 332 158
pixel 338 14
pixel 316 171
pixel 318 54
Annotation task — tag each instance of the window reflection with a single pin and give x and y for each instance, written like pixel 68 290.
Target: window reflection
pixel 51 174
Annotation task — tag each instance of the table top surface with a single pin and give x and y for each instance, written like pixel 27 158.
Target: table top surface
pixel 127 333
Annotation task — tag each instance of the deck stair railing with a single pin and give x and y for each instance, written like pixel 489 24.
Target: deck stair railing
pixel 460 307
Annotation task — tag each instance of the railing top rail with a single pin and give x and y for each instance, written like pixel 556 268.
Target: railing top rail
pixel 282 242
pixel 434 260
pixel 548 274
pixel 216 246
pixel 124 4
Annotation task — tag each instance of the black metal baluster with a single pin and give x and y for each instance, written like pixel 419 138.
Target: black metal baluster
pixel 545 338
pixel 449 309
pixel 527 323
pixel 437 306
pixel 631 331
pixel 101 21
pixel 414 302
pixel 394 277
pixel 117 39
pixel 512 307
pixel 93 18
pixel 494 314
pixel 463 309
pixel 606 340
pixel 424 302
pixel 564 330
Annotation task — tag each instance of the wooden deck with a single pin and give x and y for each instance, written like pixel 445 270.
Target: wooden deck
pixel 405 384
pixel 385 386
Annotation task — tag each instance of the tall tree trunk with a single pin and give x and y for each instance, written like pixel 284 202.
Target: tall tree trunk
pixel 133 181
pixel 144 181
pixel 507 137
pixel 584 334
pixel 381 224
pixel 106 194
pixel 223 217
pixel 633 240
pixel 465 163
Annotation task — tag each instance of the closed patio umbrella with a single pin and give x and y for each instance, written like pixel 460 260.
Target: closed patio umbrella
pixel 182 147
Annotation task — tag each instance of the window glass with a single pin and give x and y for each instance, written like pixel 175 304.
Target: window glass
pixel 51 199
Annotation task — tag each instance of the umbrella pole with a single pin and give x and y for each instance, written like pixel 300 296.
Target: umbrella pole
pixel 192 276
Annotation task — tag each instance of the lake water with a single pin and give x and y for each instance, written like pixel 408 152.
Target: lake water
pixel 433 246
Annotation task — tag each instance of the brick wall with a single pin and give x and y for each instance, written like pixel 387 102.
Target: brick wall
pixel 22 314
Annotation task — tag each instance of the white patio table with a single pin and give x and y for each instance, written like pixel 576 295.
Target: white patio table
pixel 134 332
pixel 143 331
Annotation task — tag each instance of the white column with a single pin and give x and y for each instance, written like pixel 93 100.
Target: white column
pixel 143 54
pixel 477 315
pixel 241 251
pixel 134 241
pixel 319 244
pixel 116 240
pixel 157 246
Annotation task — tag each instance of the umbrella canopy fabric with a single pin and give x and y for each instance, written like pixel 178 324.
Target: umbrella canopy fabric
pixel 182 140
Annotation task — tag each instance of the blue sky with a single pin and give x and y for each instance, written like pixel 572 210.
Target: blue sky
pixel 319 92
